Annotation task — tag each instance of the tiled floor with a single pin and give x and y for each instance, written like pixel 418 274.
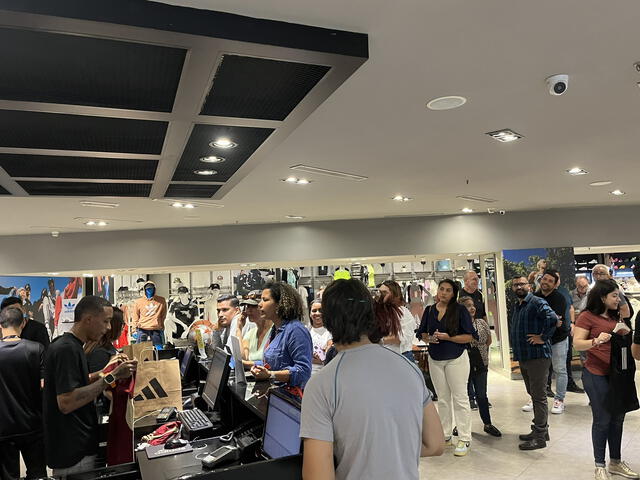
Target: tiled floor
pixel 568 456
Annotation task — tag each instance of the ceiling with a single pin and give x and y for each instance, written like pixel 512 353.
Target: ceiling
pixel 374 122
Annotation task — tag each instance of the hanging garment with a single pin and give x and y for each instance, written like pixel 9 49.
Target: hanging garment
pixel 622 396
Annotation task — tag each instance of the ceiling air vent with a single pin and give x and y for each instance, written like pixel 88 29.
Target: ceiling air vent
pixel 474 198
pixel 328 173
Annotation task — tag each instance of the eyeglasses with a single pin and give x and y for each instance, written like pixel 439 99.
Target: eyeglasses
pixel 520 284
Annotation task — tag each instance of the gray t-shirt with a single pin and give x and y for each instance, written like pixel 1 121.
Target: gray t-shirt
pixel 369 402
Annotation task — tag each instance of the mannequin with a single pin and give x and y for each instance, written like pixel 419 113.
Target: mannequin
pixel 183 312
pixel 149 314
pixel 211 304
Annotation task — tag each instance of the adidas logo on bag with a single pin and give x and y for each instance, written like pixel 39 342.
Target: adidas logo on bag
pixel 151 391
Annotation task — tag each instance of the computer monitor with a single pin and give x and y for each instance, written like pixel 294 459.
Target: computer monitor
pixel 186 362
pixel 217 377
pixel 282 430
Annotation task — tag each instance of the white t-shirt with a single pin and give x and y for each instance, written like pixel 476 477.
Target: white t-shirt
pixel 320 337
pixel 407 332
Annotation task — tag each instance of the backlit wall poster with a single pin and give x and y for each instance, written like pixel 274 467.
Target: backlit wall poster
pixel 43 299
pixel 531 263
pixel 103 287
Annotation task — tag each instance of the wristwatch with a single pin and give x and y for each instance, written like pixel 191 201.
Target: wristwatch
pixel 109 379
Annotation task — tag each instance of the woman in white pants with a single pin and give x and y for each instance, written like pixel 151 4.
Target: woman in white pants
pixel 448 329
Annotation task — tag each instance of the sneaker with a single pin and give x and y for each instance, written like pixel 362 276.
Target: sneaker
pixel 461 449
pixel 491 406
pixel 528 407
pixel 473 404
pixel 558 407
pixel 622 469
pixel 491 430
pixel 550 393
pixel 533 444
pixel 447 442
pixel 574 388
pixel 602 474
pixel 455 431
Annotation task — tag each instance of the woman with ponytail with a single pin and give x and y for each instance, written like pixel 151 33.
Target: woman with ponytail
pixel 394 320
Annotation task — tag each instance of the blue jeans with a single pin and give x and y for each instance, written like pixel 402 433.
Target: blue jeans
pixel 479 384
pixel 559 365
pixel 154 335
pixel 606 428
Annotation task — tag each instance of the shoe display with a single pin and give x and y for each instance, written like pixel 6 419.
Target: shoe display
pixel 558 407
pixel 473 404
pixel 622 469
pixel 461 449
pixel 528 407
pixel 533 444
pixel 530 436
pixel 602 474
pixel 550 393
pixel 574 388
pixel 493 431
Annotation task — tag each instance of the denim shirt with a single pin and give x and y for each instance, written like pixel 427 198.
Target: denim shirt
pixel 291 349
pixel 533 315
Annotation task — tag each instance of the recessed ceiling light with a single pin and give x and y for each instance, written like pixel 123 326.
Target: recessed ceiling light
pixel 298 181
pixel 189 205
pixel 467 210
pixel 446 103
pixel 87 275
pixel 402 198
pixel 90 223
pixel 295 217
pixel 177 205
pixel 291 180
pixel 602 183
pixel 205 172
pixel 53 273
pixel 212 159
pixel 102 223
pixel 302 181
pixel 505 135
pixel 575 171
pixel 617 192
pixel 223 143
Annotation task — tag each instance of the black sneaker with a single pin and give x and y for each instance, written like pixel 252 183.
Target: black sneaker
pixel 573 387
pixel 489 403
pixel 491 430
pixel 473 404
pixel 530 436
pixel 550 393
pixel 455 431
pixel 533 444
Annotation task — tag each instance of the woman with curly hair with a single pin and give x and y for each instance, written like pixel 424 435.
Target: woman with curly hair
pixel 288 354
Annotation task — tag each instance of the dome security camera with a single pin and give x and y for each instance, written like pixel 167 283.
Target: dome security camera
pixel 558 84
pixel 502 212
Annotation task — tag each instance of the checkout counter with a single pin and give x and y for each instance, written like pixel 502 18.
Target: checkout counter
pixel 238 404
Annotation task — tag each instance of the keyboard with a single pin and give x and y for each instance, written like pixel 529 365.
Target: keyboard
pixel 194 420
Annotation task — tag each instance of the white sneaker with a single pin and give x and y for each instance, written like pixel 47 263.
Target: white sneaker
pixel 622 469
pixel 558 407
pixel 461 449
pixel 602 474
pixel 528 407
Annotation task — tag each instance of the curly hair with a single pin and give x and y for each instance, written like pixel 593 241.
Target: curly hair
pixel 288 300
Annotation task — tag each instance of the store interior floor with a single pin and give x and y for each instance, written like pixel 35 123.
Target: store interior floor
pixel 568 455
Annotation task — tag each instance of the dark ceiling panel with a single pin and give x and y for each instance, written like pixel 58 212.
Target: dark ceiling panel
pixel 77 70
pixel 249 87
pixel 247 138
pixel 86 189
pixel 3 191
pixel 49 166
pixel 191 191
pixel 77 132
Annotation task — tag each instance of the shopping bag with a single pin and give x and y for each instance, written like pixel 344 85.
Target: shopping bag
pixel 140 351
pixel 158 385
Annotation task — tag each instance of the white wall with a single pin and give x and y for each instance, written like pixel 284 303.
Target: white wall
pixel 318 240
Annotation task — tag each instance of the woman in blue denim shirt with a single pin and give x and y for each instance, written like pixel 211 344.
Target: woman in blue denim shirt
pixel 288 354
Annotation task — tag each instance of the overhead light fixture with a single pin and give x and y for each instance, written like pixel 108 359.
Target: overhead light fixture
pixel 402 198
pixel 205 172
pixel 601 183
pixel 53 273
pixel 177 205
pixel 223 143
pixel 505 135
pixel 183 204
pixel 617 192
pixel 212 159
pixel 102 223
pixel 90 223
pixel 86 203
pixel 328 173
pixel 446 103
pixel 467 210
pixel 475 198
pixel 87 275
pixel 295 217
pixel 575 171
pixel 189 205
pixel 296 180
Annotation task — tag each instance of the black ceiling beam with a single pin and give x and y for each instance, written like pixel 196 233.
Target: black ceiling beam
pixel 159 16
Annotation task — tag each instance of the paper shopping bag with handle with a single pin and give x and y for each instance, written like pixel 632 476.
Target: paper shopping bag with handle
pixel 140 351
pixel 157 386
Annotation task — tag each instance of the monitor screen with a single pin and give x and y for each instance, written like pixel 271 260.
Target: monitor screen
pixel 282 431
pixel 186 362
pixel 217 377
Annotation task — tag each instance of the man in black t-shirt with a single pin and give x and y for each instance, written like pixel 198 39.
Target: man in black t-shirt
pixel 21 368
pixel 71 421
pixel 34 331
pixel 470 289
pixel 559 341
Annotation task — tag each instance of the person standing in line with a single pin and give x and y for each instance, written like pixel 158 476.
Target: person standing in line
pixel 32 330
pixel 21 369
pixel 579 302
pixel 70 390
pixel 320 336
pixel 149 313
pixel 396 320
pixel 559 343
pixel 602 272
pixel 635 347
pixel 532 326
pixel 593 334
pixel 376 427
pixel 254 341
pixel 448 330
pixel 480 379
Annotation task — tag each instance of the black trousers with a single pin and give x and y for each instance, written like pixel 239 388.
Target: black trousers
pixel 32 449
pixel 534 373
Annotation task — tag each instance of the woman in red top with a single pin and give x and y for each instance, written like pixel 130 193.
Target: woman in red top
pixel 592 334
